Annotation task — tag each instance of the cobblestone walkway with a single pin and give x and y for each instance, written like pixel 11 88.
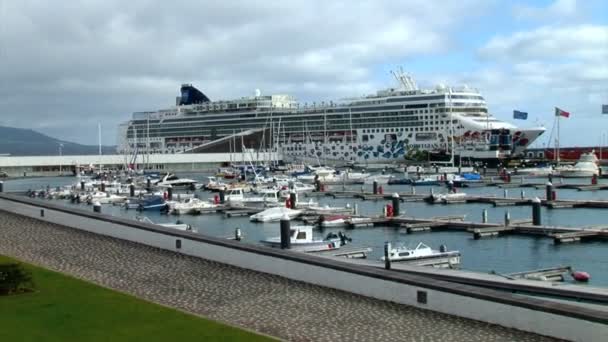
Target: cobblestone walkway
pixel 273 305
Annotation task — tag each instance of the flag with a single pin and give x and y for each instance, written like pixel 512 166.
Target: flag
pixel 604 109
pixel 520 115
pixel 559 112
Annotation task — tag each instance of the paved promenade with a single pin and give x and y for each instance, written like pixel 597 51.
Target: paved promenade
pixel 273 305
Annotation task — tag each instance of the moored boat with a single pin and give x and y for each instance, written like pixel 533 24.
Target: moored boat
pixel 301 240
pixel 423 252
pixel 275 214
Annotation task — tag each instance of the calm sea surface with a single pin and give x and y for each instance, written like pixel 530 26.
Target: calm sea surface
pixel 511 253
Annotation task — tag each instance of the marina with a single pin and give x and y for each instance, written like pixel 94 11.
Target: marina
pixel 483 215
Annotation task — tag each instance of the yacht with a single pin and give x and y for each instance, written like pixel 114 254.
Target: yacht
pixel 171 180
pixel 586 166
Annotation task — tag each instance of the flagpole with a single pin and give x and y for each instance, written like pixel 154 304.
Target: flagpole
pixel 558 159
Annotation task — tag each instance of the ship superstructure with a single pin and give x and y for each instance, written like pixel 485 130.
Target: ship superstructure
pixel 391 125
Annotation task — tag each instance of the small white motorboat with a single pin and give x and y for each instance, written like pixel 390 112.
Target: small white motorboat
pixel 535 171
pixel 447 198
pixel 275 214
pixel 176 182
pixel 339 221
pixel 265 198
pixel 178 225
pixel 214 184
pixel 190 206
pixel 96 196
pixel 423 252
pixel 301 240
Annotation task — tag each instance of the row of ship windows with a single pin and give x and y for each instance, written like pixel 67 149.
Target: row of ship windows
pixel 326 116
pixel 295 114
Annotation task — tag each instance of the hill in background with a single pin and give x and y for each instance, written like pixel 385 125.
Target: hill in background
pixel 27 142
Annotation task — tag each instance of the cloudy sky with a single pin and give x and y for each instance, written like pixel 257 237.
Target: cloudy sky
pixel 65 66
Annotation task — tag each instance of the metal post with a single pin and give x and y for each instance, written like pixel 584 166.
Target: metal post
pixel 132 190
pixel 484 216
pixel 293 199
pixel 549 192
pixel 507 218
pixel 387 252
pixel 536 219
pixel 285 233
pixel 396 203
pixel 170 193
pixel 375 187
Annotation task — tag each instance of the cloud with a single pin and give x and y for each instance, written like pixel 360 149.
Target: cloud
pixel 586 42
pixel 549 66
pixel 559 9
pixel 71 64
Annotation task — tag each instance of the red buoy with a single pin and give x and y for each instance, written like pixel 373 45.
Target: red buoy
pixel 580 276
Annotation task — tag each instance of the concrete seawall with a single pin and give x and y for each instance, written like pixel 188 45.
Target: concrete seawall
pixel 533 315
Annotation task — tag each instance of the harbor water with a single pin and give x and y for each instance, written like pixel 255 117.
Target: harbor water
pixel 504 254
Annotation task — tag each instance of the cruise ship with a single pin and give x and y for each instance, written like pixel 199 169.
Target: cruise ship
pixel 395 124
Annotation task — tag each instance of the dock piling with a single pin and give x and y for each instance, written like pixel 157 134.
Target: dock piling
pixel 484 216
pixel 523 194
pixel 505 193
pixel 293 199
pixel 222 196
pixel 285 232
pixel 507 218
pixel 148 184
pixel 549 191
pixel 237 234
pixel 1 186
pixel 375 187
pixel 387 252
pixel 81 185
pixel 536 219
pixel 396 203
pixel 97 207
pixel 132 190
pixel 170 193
pixel 103 186
pixel 356 210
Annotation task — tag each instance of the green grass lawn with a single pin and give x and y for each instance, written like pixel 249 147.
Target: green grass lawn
pixel 67 309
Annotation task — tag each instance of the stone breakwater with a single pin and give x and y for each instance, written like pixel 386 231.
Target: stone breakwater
pixel 273 305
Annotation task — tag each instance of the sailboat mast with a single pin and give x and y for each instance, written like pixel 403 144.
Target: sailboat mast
pixel 99 141
pixel 557 141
